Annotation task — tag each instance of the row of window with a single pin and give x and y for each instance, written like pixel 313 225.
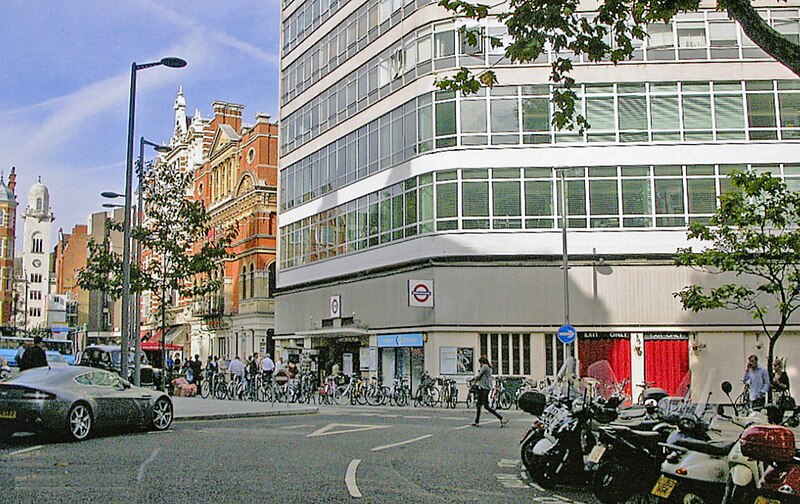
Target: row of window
pixel 436 47
pixel 521 115
pixel 257 284
pixel 707 35
pixel 352 35
pixel 510 354
pixel 511 199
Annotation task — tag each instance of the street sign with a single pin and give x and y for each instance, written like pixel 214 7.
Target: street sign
pixel 567 334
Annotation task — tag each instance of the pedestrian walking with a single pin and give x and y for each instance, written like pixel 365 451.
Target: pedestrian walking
pixel 757 378
pixel 267 367
pixel 483 384
pixel 34 356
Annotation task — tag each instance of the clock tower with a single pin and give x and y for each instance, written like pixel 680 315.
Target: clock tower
pixel 38 221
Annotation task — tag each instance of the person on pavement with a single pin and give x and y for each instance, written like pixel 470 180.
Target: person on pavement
pixel 20 351
pixel 34 356
pixel 267 368
pixel 280 365
pixel 197 368
pixel 236 368
pixel 757 378
pixel 483 384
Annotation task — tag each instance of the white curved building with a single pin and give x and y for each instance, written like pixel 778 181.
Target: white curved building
pixel 417 226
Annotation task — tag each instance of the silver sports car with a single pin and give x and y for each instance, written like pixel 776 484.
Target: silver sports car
pixel 78 400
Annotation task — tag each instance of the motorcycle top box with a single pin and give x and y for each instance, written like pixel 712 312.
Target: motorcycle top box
pixel 768 442
pixel 532 402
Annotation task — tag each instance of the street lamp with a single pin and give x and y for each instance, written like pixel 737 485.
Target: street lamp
pixel 564 254
pixel 126 244
pixel 137 319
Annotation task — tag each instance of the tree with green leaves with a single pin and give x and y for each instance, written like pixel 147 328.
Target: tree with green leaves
pixel 182 246
pixel 754 236
pixel 609 33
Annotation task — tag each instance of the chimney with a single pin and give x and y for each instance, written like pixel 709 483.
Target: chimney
pixel 228 113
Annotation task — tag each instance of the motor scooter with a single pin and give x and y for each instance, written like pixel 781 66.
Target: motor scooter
pixel 695 468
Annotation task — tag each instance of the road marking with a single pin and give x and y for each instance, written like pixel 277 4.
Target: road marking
pixel 413 417
pixel 384 447
pixel 143 466
pixel 327 430
pixel 510 481
pixel 507 463
pixel 25 450
pixel 470 425
pixel 350 478
pixel 452 418
pixel 287 427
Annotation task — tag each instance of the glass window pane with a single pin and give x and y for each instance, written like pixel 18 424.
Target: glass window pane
pixel 697 112
pixel 669 196
pixel 632 113
pixel 729 111
pixel 603 197
pixel 426 203
pixel 473 116
pixel 600 113
pixel 539 198
pixel 702 196
pixel 536 114
pixel 636 197
pixel 506 200
pixel 475 201
pixel 576 197
pixel 790 109
pixel 446 118
pixel 664 110
pixel 446 200
pixel 761 110
pixel 504 115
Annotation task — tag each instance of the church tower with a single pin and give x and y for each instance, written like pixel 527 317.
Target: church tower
pixel 38 220
pixel 8 219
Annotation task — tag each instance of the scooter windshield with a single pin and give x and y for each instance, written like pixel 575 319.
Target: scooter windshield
pixel 601 380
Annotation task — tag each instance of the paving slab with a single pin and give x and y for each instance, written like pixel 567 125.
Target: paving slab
pixel 197 408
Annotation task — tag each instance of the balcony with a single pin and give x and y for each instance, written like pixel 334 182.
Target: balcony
pixel 209 307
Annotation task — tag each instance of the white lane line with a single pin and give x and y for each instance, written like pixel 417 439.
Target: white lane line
pixel 384 447
pixel 143 466
pixel 297 426
pixel 25 450
pixel 417 417
pixel 470 425
pixel 350 478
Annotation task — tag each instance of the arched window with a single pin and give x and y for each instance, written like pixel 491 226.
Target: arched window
pixel 38 203
pixel 37 246
pixel 244 281
pixel 2 217
pixel 252 281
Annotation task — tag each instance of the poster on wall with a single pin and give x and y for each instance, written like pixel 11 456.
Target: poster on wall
pixel 347 364
pixel 456 360
pixel 363 359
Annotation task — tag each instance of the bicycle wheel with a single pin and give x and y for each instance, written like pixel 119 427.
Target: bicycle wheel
pixel 338 392
pixel 220 389
pixel 374 396
pixel 470 399
pixel 453 398
pixel 432 397
pixel 504 401
pixel 418 398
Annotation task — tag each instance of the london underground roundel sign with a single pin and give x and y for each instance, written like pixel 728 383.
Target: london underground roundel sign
pixel 420 293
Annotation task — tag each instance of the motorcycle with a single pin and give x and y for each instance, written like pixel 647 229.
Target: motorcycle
pixel 774 447
pixel 695 468
pixel 626 448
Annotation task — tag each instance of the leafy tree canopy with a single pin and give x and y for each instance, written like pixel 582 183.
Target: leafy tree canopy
pixel 755 236
pixel 568 29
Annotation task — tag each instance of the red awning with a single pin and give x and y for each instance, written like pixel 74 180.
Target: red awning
pixel 156 345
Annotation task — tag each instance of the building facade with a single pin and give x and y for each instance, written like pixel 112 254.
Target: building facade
pixel 8 220
pixel 70 258
pixel 420 229
pixel 37 230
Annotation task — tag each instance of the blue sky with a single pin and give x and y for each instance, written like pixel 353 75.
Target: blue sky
pixel 65 78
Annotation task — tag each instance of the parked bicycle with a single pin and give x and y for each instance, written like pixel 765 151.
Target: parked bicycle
pixel 449 396
pixel 427 393
pixel 499 397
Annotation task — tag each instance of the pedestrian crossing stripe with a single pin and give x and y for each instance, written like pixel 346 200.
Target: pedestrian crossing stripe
pixel 339 428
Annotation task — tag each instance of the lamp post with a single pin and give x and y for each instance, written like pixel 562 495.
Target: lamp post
pixel 126 244
pixel 564 253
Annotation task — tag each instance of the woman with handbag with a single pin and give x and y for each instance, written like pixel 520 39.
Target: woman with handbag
pixel 482 382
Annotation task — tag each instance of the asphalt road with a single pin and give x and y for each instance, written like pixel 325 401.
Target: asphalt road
pixel 342 454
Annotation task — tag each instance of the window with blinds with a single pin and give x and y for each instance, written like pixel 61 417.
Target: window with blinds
pixel 665 113
pixel 506 200
pixel 475 199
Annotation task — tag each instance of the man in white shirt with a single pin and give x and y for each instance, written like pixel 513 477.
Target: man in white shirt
pixel 280 364
pixel 267 367
pixel 236 367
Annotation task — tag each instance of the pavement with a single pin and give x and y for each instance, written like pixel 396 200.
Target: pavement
pixel 197 408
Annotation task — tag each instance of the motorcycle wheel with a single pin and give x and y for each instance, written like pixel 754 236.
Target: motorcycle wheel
pixel 735 494
pixel 542 469
pixel 526 452
pixel 611 483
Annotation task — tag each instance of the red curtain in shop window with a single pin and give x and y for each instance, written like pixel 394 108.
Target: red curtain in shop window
pixel 616 351
pixel 666 363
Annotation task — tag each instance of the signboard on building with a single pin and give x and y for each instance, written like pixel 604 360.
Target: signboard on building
pixel 400 340
pixel 455 360
pixel 420 293
pixel 347 364
pixel 336 306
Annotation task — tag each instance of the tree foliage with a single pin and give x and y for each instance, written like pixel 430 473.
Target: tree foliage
pixel 177 232
pixel 607 34
pixel 754 235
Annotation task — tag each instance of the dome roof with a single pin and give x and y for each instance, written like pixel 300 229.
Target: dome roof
pixel 6 195
pixel 39 198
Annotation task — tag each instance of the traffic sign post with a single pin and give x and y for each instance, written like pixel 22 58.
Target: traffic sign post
pixel 567 334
